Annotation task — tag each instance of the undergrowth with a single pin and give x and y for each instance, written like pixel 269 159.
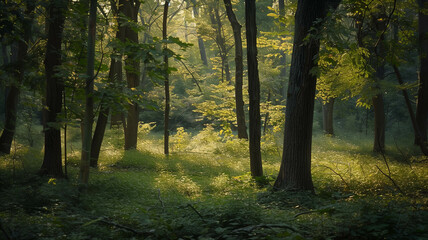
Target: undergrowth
pixel 203 190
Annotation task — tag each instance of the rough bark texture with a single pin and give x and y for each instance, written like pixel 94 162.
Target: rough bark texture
pixel 295 170
pixel 12 97
pixel 132 66
pixel 88 117
pixel 327 116
pixel 166 80
pixel 52 164
pixel 239 72
pixel 253 89
pixel 422 106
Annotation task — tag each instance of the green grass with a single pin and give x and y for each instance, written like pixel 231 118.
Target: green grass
pixel 203 191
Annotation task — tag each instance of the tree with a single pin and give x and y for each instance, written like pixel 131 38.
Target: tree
pixel 115 75
pixel 52 164
pixel 88 117
pixel 166 78
pixel 422 105
pixel 12 99
pixel 295 170
pixel 201 44
pixel 253 89
pixel 239 72
pixel 129 8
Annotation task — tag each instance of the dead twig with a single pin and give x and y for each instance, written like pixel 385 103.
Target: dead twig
pixel 392 180
pixel 253 227
pixel 196 211
pixel 160 200
pixel 338 174
pixel 129 229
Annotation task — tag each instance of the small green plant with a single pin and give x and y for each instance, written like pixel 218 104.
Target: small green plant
pixel 180 140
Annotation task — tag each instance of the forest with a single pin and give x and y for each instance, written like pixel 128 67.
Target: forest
pixel 209 119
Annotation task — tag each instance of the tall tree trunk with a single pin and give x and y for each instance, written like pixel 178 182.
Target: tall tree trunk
pixel 422 105
pixel 166 80
pixel 295 170
pixel 253 89
pixel 220 41
pixel 132 67
pixel 327 116
pixel 239 100
pixel 52 164
pixel 378 63
pixel 422 144
pixel 12 98
pixel 114 74
pixel 118 118
pixel 201 44
pixel 88 117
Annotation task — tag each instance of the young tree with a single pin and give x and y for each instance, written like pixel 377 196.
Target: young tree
pixel 295 170
pixel 253 89
pixel 52 164
pixel 115 75
pixel 88 117
pixel 422 105
pixel 239 72
pixel 166 78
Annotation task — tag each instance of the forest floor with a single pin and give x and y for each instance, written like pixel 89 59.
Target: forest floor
pixel 203 190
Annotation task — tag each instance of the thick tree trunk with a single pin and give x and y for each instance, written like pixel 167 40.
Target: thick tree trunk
pixel 11 105
pixel 378 63
pixel 166 80
pixel 132 66
pixel 52 164
pixel 422 105
pixel 88 117
pixel 253 89
pixel 239 100
pixel 295 170
pixel 327 116
pixel 12 98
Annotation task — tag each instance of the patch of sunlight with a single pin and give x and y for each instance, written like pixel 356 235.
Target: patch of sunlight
pixel 167 182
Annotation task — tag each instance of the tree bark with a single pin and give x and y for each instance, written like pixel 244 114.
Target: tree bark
pixel 422 144
pixel 422 104
pixel 327 113
pixel 253 89
pixel 239 100
pixel 132 66
pixel 295 170
pixel 88 117
pixel 220 40
pixel 52 164
pixel 201 44
pixel 12 98
pixel 378 63
pixel 166 79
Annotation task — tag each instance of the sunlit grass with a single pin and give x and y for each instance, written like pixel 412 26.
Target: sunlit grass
pixel 206 178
